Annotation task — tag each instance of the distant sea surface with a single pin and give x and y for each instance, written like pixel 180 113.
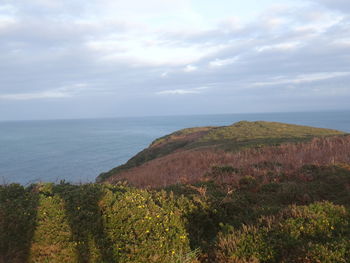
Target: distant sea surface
pixel 79 150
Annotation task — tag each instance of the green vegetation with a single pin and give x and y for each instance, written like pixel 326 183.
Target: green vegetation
pixel 245 131
pixel 269 203
pixel 315 233
pixel 18 215
pixel 226 208
pixel 91 223
pixel 290 220
pixel 231 138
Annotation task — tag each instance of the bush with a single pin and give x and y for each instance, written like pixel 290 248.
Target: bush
pixel 315 233
pixel 17 222
pixel 248 183
pixel 144 227
pixel 91 223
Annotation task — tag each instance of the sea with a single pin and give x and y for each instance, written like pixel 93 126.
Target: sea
pixel 77 151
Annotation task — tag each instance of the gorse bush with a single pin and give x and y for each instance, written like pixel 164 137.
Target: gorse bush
pixel 315 233
pixel 91 223
pixel 298 218
pixel 144 227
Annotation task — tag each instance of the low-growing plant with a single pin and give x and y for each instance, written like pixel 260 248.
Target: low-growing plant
pixel 271 163
pixel 318 232
pixel 92 223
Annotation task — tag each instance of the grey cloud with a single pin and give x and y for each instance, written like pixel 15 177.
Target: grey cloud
pixel 340 5
pixel 46 51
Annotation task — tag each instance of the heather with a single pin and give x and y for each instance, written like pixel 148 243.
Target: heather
pixel 264 162
pixel 318 232
pixel 231 138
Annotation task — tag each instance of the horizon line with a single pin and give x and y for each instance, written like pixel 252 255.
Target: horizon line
pixel 175 115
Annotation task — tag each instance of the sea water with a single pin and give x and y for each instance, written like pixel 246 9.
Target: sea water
pixel 79 150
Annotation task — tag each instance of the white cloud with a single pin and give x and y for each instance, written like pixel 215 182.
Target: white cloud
pixel 190 68
pixel 303 78
pixel 7 16
pixel 148 49
pixel 62 92
pixel 34 96
pixel 182 91
pixel 7 9
pixel 6 21
pixel 282 46
pixel 164 74
pixel 223 62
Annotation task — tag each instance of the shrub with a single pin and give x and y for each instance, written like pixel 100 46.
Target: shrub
pixel 144 227
pixel 315 233
pixel 92 223
pixel 17 222
pixel 248 183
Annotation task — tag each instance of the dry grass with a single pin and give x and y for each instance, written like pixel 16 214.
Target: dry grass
pixel 231 138
pixel 192 165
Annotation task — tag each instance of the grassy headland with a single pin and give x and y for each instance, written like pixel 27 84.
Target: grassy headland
pixel 187 155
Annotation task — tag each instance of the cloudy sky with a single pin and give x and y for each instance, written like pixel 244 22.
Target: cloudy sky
pixel 106 58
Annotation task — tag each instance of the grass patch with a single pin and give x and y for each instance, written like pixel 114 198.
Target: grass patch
pixel 232 138
pixel 245 131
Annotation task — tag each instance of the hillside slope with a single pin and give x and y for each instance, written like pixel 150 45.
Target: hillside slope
pixel 187 155
pixel 299 219
pixel 250 192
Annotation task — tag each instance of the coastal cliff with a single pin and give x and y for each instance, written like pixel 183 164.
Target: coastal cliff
pixel 248 192
pixel 188 155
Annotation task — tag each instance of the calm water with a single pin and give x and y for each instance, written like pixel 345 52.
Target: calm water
pixel 79 150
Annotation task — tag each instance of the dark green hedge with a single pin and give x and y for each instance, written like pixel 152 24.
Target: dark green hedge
pixel 318 232
pixel 91 223
pixel 291 220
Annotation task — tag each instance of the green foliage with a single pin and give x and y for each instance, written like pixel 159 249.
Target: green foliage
pixel 18 211
pixel 255 220
pixel 315 233
pixel 145 227
pixel 223 208
pixel 248 182
pixel 53 240
pixel 244 130
pixel 91 223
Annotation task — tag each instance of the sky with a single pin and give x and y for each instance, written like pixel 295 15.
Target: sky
pixel 112 58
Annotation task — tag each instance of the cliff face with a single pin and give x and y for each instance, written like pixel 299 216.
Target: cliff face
pixel 189 155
